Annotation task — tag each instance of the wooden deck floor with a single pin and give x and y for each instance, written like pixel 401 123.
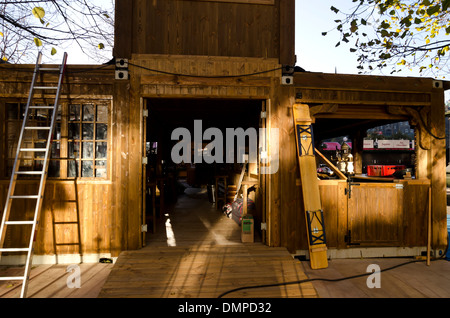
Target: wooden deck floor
pixel 206 259
pixel 196 252
pixel 413 280
pixel 50 281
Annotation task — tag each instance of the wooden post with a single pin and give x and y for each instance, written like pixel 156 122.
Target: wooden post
pixel 429 227
pixel 244 203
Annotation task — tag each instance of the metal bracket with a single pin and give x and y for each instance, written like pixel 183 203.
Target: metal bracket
pixel 305 133
pixel 316 235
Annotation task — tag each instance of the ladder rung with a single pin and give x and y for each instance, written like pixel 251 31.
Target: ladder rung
pixel 23 249
pixel 38 128
pixel 13 278
pixel 33 149
pixel 30 172
pixel 45 87
pixel 49 69
pixel 19 222
pixel 42 107
pixel 24 197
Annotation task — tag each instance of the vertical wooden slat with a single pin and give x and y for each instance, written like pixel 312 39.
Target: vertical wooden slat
pixel 123 27
pixel 437 167
pixel 287 32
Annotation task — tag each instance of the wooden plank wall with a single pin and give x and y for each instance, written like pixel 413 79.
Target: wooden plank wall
pixel 208 28
pixel 374 97
pixel 98 206
pixel 70 211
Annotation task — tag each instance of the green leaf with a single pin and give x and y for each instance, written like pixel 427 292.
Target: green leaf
pixel 353 26
pixel 101 46
pixel 334 9
pixel 385 25
pixel 445 5
pixel 37 42
pixel 38 12
pixel 434 9
pixel 324 33
pixel 352 50
pixel 53 51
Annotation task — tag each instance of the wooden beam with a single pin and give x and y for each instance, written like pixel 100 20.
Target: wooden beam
pixel 437 166
pixel 331 165
pixel 205 81
pixel 123 35
pixel 287 32
pixel 363 82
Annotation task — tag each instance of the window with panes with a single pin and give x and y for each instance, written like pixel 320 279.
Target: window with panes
pixel 79 142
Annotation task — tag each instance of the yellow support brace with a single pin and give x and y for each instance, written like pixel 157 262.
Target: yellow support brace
pixel 310 187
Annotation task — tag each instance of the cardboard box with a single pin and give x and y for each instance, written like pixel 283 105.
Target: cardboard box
pixel 247 229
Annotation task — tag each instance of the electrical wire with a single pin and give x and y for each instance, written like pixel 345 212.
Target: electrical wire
pixel 319 279
pixel 426 127
pixel 204 76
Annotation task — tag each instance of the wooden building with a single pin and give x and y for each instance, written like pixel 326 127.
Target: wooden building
pixel 230 64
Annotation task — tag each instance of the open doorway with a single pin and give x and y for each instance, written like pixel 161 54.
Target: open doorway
pixel 178 175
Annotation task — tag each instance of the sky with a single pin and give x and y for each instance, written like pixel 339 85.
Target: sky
pixel 315 52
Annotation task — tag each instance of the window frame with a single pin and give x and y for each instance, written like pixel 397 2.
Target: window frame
pixel 64 141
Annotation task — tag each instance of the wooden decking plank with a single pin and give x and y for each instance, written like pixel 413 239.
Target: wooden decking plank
pixel 415 280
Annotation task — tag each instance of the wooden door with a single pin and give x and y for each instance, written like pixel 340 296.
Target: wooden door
pixel 375 212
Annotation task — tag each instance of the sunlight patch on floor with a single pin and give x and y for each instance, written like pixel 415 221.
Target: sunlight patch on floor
pixel 169 232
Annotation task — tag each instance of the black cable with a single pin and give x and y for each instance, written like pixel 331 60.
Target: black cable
pixel 204 76
pixel 317 279
pixel 426 127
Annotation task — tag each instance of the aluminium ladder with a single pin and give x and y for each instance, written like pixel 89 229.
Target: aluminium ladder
pixel 38 197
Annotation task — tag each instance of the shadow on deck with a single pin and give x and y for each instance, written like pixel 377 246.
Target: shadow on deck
pixel 197 252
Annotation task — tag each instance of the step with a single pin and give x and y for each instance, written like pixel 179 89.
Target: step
pixel 33 149
pixel 42 107
pixel 29 172
pixel 13 278
pixel 46 87
pixel 38 128
pixel 50 69
pixel 19 222
pixel 23 249
pixel 24 197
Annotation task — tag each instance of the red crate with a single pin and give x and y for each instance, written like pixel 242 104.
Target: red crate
pixel 383 170
pixel 374 170
pixel 390 170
